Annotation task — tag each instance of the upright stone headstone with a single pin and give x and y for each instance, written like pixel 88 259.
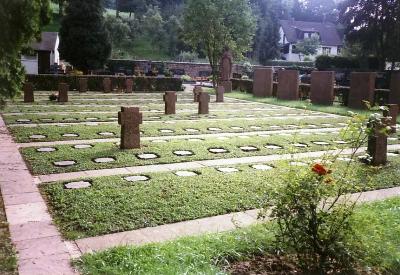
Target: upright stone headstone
pixel 107 85
pixel 220 93
pixel 362 88
pixel 170 99
pixel 28 92
pixel 130 119
pixel 83 85
pixel 63 92
pixel 196 91
pixel 394 95
pixel 204 99
pixel 263 82
pixel 322 87
pixel 391 113
pixel 288 85
pixel 129 85
pixel 226 70
pixel 377 143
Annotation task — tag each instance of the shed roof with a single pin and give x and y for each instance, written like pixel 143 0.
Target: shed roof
pixel 48 42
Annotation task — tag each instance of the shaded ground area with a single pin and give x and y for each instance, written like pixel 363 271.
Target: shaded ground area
pixel 8 260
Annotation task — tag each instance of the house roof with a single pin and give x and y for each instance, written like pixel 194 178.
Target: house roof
pixel 327 31
pixel 48 42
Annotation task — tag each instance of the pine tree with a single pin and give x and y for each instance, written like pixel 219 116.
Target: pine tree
pixel 84 40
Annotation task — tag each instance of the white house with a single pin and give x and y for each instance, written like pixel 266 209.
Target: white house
pixel 292 32
pixel 46 54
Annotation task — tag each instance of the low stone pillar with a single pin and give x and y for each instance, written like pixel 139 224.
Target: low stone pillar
pixel 170 99
pixel 204 99
pixel 322 88
pixel 28 92
pixel 391 113
pixel 394 95
pixel 196 91
pixel 288 85
pixel 362 88
pixel 129 85
pixel 130 119
pixel 227 85
pixel 377 143
pixel 263 82
pixel 83 85
pixel 220 94
pixel 107 85
pixel 63 89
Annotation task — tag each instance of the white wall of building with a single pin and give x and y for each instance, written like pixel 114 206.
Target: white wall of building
pixel 30 64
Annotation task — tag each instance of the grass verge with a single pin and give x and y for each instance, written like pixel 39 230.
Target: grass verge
pixel 376 226
pixel 8 259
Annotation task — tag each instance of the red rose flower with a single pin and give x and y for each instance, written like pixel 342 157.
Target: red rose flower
pixel 320 169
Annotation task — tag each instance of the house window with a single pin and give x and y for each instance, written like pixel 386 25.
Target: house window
pixel 339 50
pixel 326 50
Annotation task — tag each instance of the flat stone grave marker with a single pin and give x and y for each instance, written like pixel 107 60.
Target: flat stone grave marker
pixel 362 88
pixel 263 82
pixel 82 146
pixel 37 136
pixel 322 87
pixel 104 160
pixel 130 118
pixel 137 178
pixel 262 167
pixel 249 148
pixel 394 95
pixel 28 92
pixel 300 145
pixel 46 149
pixel 77 185
pixel 227 170
pixel 183 153
pixel 63 92
pixel 220 94
pixel 147 156
pixel 186 174
pixel 64 163
pixel 70 135
pixel 170 99
pixel 391 113
pixel 129 85
pixel 166 131
pixel 106 134
pixel 83 85
pixel 218 150
pixel 204 99
pixel 107 85
pixel 196 92
pixel 273 147
pixel 214 129
pixel 288 85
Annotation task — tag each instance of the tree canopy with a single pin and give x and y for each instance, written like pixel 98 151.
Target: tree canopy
pixel 84 40
pixel 212 25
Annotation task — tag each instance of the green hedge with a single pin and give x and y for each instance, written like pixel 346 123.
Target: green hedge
pixel 324 62
pixel 284 63
pixel 46 82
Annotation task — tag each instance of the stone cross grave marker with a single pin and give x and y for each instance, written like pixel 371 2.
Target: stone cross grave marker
pixel 83 85
pixel 130 118
pixel 170 99
pixel 196 91
pixel 220 93
pixel 263 82
pixel 394 95
pixel 392 112
pixel 377 143
pixel 63 92
pixel 204 99
pixel 107 85
pixel 288 85
pixel 129 85
pixel 322 87
pixel 28 92
pixel 362 88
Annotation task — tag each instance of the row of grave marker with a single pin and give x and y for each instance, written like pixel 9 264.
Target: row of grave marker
pixel 362 86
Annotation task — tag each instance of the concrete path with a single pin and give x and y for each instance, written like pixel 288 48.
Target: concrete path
pixel 191 165
pixel 39 245
pixel 197 227
pixel 179 137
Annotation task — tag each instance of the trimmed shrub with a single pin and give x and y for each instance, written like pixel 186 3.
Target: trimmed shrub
pixel 46 82
pixel 325 62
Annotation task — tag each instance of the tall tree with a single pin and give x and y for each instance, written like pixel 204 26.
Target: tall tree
pixel 315 10
pixel 266 41
pixel 84 40
pixel 372 24
pixel 20 23
pixel 212 25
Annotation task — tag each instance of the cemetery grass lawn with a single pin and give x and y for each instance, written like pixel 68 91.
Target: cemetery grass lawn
pixel 305 105
pixel 376 227
pixel 8 259
pixel 113 204
pixel 42 162
pixel 54 132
